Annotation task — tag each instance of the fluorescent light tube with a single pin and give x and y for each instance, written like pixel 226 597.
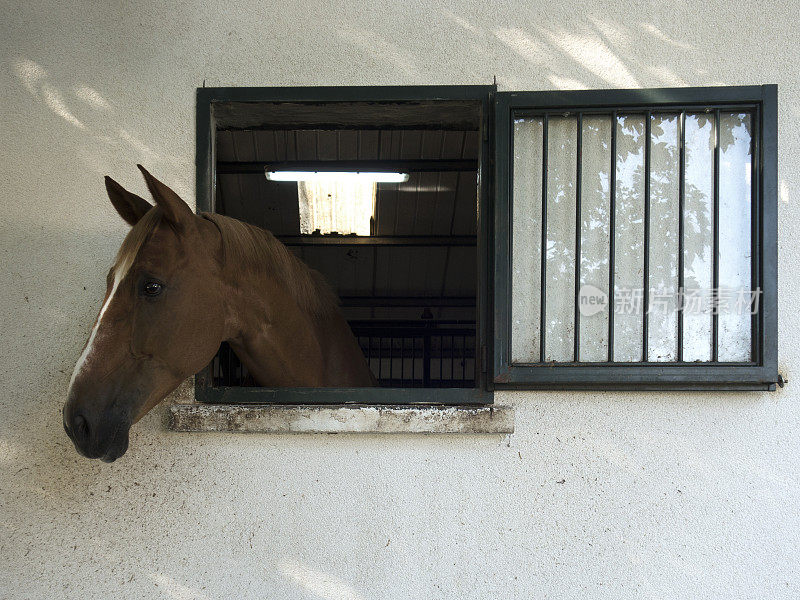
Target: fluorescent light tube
pixel 336 176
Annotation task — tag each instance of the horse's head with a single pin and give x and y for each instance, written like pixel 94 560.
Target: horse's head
pixel 159 323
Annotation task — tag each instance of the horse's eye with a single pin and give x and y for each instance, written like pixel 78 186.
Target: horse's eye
pixel 152 288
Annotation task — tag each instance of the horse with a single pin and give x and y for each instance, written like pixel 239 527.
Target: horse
pixel 181 284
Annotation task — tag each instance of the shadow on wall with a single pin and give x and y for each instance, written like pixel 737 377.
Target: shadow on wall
pixel 98 121
pixel 593 53
pixel 598 54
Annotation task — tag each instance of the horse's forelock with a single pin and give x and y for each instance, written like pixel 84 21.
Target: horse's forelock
pixel 134 241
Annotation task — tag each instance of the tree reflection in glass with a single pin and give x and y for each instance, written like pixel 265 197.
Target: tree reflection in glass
pixel 560 272
pixel 595 244
pixel 734 251
pixel 734 236
pixel 526 240
pixel 629 239
pixel 662 317
pixel 698 235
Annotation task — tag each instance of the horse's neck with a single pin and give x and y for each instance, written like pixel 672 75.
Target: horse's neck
pixel 283 345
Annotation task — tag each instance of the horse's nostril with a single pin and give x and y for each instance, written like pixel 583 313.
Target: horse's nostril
pixel 80 428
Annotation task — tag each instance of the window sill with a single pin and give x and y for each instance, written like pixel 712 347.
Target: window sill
pixel 249 418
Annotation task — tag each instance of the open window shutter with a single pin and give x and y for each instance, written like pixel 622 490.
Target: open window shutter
pixel 635 239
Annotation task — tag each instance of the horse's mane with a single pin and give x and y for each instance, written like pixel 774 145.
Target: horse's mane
pixel 256 250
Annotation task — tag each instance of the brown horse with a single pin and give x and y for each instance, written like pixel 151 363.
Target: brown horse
pixel 182 284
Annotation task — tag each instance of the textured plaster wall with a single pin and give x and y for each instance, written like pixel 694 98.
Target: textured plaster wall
pixel 596 495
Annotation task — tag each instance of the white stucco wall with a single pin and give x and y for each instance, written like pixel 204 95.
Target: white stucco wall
pixel 663 495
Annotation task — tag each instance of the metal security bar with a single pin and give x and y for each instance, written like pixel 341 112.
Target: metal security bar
pixel 751 110
pixel 227 370
pixel 435 355
pixel 681 225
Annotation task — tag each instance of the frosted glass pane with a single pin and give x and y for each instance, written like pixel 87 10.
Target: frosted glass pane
pixel 698 236
pixel 527 240
pixel 595 245
pixel 734 237
pixel 629 239
pixel 662 316
pixel 560 268
pixel 626 290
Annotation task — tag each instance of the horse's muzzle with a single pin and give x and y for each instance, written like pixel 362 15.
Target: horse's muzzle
pixel 96 438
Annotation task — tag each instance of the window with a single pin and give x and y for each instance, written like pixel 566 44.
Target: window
pixel 387 209
pixel 593 239
pixel 636 239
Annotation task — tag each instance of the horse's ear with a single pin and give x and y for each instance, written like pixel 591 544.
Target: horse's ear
pixel 129 206
pixel 175 210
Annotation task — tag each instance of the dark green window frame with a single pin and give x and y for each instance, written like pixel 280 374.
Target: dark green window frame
pixel 493 363
pixel 210 98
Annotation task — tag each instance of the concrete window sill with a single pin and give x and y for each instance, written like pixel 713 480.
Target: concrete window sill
pixel 249 418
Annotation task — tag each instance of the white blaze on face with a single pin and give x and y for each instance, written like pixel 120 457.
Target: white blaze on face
pixel 120 270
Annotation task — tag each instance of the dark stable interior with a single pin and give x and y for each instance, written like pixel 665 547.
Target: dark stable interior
pixel 408 289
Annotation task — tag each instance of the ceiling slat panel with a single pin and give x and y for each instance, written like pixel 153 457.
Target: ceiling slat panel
pixel 464 221
pixel 405 203
pixel 442 216
pixel 348 144
pixel 454 145
pixel 266 145
pixel 412 144
pixel 369 144
pixel 244 145
pixel 327 145
pixel 428 196
pixel 306 144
